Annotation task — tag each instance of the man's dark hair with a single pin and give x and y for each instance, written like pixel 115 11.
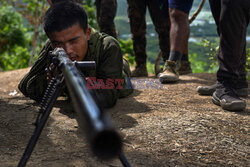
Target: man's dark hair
pixel 63 15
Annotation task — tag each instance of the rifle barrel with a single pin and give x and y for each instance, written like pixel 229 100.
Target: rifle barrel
pixel 105 141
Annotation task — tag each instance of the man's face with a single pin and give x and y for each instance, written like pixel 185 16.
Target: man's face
pixel 73 40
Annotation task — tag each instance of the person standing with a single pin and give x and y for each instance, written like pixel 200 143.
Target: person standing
pixel 106 12
pixel 232 19
pixel 179 34
pixel 241 90
pixel 158 10
pixel 66 26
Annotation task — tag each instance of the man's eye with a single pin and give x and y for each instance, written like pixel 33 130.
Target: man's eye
pixel 74 41
pixel 56 45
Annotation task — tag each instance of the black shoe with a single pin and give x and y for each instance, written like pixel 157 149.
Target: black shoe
pixel 206 90
pixel 242 92
pixel 209 90
pixel 225 97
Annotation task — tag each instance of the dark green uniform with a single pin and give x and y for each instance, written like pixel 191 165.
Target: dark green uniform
pixel 158 10
pixel 105 12
pixel 104 50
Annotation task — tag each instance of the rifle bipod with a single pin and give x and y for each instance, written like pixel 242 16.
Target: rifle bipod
pixel 124 160
pixel 46 106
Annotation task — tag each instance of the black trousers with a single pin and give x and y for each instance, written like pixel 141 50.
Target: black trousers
pixel 232 18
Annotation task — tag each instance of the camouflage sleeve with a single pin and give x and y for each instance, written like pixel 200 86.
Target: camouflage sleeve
pixel 111 80
pixel 109 68
pixel 34 82
pixel 127 87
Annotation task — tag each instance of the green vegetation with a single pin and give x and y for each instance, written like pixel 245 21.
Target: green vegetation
pixel 21 36
pixel 13 48
pixel 202 52
pixel 204 59
pixel 89 7
pixel 21 33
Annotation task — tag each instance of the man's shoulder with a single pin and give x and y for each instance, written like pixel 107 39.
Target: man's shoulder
pixel 109 40
pixel 102 39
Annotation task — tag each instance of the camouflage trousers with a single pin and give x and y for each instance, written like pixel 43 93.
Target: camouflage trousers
pixel 105 12
pixel 158 10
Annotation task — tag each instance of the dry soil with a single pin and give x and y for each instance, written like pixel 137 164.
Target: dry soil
pixel 161 125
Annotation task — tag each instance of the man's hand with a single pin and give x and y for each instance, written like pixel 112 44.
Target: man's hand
pixel 51 72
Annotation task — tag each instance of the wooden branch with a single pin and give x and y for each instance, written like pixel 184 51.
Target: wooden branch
pixel 193 17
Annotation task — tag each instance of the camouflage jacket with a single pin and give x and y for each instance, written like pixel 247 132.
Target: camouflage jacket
pixel 105 51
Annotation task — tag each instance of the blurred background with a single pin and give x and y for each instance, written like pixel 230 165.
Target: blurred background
pixel 22 36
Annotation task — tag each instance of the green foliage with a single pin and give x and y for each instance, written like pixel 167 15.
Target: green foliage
pixel 150 68
pixel 90 9
pixel 16 35
pixel 3 3
pixel 127 50
pixel 16 31
pixel 11 29
pixel 33 7
pixel 197 65
pixel 212 53
pixel 211 64
pixel 13 54
pixel 128 54
pixel 122 25
pixel 16 59
pixel 203 56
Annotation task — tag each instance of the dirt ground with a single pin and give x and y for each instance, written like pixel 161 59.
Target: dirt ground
pixel 161 125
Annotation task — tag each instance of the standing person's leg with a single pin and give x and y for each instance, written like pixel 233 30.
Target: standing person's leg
pixel 158 10
pixel 185 66
pixel 179 33
pixel 233 24
pixel 106 12
pixel 215 6
pixel 136 14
